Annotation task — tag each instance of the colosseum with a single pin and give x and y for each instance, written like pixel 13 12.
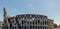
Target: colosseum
pixel 27 21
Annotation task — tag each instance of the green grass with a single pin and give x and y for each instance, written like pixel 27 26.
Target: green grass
pixel 0 28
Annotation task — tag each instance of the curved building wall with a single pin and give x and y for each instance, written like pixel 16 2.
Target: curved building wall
pixel 28 21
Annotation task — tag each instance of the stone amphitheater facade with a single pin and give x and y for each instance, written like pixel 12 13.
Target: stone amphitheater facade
pixel 27 21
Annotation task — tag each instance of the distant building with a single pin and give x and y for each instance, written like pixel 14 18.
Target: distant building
pixel 58 27
pixel 1 24
pixel 27 21
pixel 55 25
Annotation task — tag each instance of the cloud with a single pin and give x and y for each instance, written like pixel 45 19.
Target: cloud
pixel 15 9
pixel 30 5
pixel 51 4
pixel 57 19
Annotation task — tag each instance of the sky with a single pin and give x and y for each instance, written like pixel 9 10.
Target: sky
pixel 50 8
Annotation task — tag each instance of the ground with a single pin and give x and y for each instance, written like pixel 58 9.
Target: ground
pixel 0 28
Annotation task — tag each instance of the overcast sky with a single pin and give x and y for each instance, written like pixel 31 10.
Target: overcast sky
pixel 50 8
